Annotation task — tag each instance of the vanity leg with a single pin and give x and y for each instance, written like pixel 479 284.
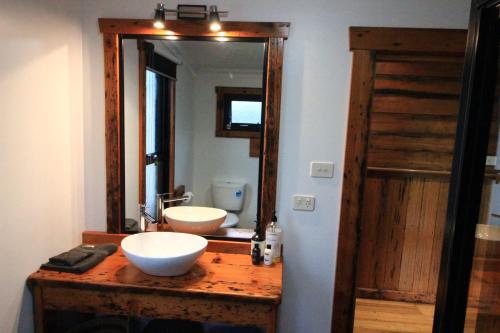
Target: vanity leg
pixel 271 327
pixel 38 309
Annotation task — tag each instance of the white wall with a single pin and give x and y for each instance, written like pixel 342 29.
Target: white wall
pixel 218 158
pixel 41 144
pixel 313 124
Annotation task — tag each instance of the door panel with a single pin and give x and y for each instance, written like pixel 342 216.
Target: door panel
pixel 410 149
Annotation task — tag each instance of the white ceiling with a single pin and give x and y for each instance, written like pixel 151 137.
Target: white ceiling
pixel 208 56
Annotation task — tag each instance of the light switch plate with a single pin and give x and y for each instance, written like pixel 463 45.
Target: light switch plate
pixel 491 160
pixel 303 202
pixel 321 169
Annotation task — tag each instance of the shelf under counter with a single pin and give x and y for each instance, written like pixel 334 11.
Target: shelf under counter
pixel 222 287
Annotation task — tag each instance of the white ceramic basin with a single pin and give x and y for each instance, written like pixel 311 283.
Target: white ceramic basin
pixel 195 220
pixel 163 253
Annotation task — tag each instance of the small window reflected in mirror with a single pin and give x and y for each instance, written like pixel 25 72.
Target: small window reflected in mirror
pixel 239 111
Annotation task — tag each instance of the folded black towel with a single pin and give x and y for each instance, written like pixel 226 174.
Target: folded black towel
pixel 69 258
pixel 95 254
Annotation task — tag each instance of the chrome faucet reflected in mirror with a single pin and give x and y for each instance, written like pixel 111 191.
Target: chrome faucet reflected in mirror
pixel 161 200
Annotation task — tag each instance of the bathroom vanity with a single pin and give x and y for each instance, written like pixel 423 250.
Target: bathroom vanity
pixel 141 137
pixel 222 287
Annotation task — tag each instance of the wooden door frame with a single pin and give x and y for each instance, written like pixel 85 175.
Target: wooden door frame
pixel 272 33
pixel 365 42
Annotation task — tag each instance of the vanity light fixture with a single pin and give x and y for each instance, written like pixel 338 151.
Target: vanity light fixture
pixel 213 15
pixel 159 22
pixel 214 19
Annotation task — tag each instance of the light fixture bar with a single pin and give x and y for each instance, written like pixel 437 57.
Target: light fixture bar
pixel 213 16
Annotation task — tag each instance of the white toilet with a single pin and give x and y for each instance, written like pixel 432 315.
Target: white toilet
pixel 229 196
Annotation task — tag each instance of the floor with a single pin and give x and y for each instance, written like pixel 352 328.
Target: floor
pixel 378 316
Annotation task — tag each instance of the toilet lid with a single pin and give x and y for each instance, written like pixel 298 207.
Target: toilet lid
pixel 231 220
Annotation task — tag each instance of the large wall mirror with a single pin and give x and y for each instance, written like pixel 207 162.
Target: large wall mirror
pixel 190 110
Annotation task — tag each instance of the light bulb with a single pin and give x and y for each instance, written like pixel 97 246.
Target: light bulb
pixel 215 26
pixel 159 25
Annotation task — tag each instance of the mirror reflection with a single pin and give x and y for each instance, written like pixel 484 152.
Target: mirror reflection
pixel 192 114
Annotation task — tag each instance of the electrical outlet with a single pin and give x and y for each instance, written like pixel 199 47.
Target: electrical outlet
pixel 303 202
pixel 321 169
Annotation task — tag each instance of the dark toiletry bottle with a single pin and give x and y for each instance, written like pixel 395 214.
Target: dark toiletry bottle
pixel 258 240
pixel 256 255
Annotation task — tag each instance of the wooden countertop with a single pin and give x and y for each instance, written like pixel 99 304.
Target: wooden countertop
pixel 215 275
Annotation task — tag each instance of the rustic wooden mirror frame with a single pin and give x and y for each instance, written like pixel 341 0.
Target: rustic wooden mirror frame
pixel 113 30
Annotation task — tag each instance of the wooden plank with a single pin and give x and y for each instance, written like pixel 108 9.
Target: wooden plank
pixel 368 245
pixel 396 295
pixel 195 28
pixel 113 130
pixel 421 69
pixel 412 144
pixel 382 235
pixel 270 144
pixel 352 199
pixel 418 85
pixel 402 172
pixel 414 125
pixel 222 276
pixel 442 205
pixel 425 235
pixel 158 306
pixel 445 41
pixel 410 160
pixel 97 237
pixel 410 250
pixel 395 221
pixel 254 147
pixel 416 57
pixel 418 105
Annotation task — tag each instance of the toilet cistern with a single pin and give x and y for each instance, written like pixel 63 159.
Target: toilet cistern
pixel 229 195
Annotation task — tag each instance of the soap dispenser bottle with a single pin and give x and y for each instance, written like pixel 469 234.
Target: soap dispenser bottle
pixel 274 238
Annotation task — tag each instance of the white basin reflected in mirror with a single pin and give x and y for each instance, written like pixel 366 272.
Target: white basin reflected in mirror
pixel 195 220
pixel 163 253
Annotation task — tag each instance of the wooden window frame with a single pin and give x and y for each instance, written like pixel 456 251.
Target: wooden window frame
pixel 272 33
pixel 222 108
pixel 150 60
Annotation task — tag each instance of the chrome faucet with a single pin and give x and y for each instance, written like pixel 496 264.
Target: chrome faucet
pixel 145 219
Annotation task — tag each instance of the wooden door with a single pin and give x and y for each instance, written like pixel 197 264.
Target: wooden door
pixel 412 125
pixel 402 119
